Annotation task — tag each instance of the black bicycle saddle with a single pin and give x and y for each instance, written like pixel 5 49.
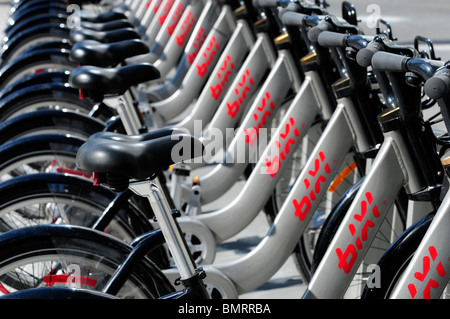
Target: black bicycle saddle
pixel 104 36
pixel 106 26
pixel 101 81
pixel 136 138
pixel 91 52
pixel 116 162
pixel 102 17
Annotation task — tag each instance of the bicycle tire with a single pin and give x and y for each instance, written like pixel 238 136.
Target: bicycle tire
pixel 54 251
pixel 39 154
pixel 26 191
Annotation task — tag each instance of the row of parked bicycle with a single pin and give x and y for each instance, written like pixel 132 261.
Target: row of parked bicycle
pixel 115 126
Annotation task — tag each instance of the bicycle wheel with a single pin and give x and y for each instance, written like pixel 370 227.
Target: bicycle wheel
pixel 56 198
pixel 39 154
pixel 56 255
pixel 53 198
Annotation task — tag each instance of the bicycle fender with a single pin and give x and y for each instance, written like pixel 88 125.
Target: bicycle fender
pixel 58 77
pixel 24 13
pixel 54 55
pixel 56 183
pixel 38 144
pixel 34 21
pixel 61 44
pixel 55 89
pixel 42 119
pixel 47 29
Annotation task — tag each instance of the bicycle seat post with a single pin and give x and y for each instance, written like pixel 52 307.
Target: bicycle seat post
pixel 128 114
pixel 169 228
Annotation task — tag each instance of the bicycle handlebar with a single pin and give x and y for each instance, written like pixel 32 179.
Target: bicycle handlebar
pixel 269 3
pixel 435 74
pixel 385 61
pixel 438 85
pixel 290 18
pixel 335 39
pixel 314 32
pixel 364 56
pixel 332 23
pixel 331 39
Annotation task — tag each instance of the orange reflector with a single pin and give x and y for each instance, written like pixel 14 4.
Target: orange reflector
pixel 340 178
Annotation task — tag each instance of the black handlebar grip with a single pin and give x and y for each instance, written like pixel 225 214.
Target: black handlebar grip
pixel 438 85
pixel 314 32
pixel 290 18
pixel 331 39
pixel 291 7
pixel 265 3
pixel 385 61
pixel 364 56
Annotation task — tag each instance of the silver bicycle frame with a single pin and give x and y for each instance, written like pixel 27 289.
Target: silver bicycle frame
pixel 235 100
pixel 167 28
pixel 268 170
pixel 170 42
pixel 220 80
pixel 157 21
pixel 143 24
pixel 149 14
pixel 200 70
pixel 138 13
pixel 204 27
pixel 310 187
pixel 244 146
pixel 392 169
pixel 428 272
pixel 245 85
pixel 206 105
pixel 183 35
pixel 209 226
